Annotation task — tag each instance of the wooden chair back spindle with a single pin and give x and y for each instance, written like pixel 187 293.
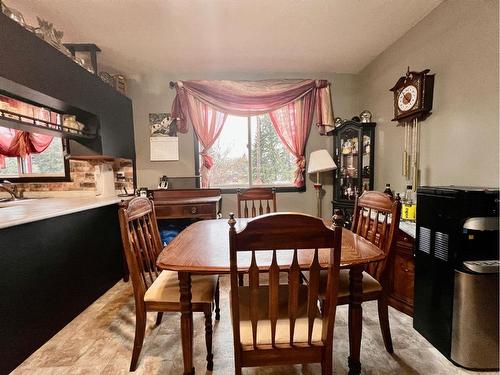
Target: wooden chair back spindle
pixel 141 241
pixel 282 237
pixel 376 218
pixel 256 201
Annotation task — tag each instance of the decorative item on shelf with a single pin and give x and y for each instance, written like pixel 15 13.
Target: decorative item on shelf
pixel 338 122
pixel 366 171
pixel 84 54
pixel 366 145
pixel 320 161
pixel 347 147
pixel 70 123
pixel 15 15
pixel 366 116
pixel 163 182
pixel 120 83
pixel 356 118
pixel 108 78
pixel 413 94
pixel 48 33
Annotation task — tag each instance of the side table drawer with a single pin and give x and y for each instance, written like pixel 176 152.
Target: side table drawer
pixel 186 211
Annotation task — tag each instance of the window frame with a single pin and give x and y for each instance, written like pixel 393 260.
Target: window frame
pixel 40 178
pixel 234 190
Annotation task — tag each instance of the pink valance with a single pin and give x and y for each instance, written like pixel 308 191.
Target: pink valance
pixel 290 103
pixel 250 98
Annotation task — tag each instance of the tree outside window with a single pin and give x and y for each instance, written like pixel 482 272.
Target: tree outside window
pixel 248 153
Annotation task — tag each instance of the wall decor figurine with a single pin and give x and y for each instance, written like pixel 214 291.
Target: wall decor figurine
pixel 15 15
pixel 366 116
pixel 48 33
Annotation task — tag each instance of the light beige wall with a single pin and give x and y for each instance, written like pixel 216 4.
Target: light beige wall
pixel 152 94
pixel 458 41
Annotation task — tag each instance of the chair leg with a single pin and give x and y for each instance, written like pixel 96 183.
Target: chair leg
pixel 240 279
pixel 383 317
pixel 140 330
pixel 158 318
pixel 208 338
pixel 327 362
pixel 217 299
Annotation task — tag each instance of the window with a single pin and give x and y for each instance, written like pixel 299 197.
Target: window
pixel 248 153
pixel 49 163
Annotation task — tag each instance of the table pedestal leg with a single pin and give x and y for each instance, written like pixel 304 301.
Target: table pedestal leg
pixel 355 318
pixel 186 322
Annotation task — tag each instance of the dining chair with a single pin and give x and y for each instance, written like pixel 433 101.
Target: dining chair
pixel 279 323
pixel 262 197
pixel 253 202
pixel 156 290
pixel 376 218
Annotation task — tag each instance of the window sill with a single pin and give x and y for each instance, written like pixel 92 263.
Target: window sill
pixel 279 189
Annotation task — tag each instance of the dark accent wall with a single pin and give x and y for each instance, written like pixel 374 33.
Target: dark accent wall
pixel 50 271
pixel 32 69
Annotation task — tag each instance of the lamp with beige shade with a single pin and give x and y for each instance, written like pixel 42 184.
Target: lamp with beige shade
pixel 320 161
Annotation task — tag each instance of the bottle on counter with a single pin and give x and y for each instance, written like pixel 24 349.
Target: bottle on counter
pixel 409 208
pixel 388 190
pixel 409 194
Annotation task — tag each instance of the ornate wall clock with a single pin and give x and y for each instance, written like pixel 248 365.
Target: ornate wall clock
pixel 413 96
pixel 412 102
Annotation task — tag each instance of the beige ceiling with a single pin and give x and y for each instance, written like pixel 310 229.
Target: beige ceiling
pixel 200 37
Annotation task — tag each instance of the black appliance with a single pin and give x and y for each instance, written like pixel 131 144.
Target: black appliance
pixel 442 246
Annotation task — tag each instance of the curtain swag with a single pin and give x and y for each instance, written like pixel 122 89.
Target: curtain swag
pixel 20 143
pixel 290 103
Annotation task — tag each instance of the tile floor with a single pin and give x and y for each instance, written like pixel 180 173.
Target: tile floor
pixel 99 341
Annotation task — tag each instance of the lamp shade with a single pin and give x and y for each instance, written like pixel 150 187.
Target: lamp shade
pixel 320 161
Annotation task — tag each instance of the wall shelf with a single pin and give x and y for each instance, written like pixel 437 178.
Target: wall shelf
pixel 26 123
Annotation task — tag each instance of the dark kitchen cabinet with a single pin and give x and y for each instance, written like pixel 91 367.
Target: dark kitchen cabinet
pixel 36 72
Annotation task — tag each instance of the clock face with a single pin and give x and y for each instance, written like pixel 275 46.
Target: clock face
pixel 407 98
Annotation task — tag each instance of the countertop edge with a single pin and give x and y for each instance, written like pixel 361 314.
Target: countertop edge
pixel 88 204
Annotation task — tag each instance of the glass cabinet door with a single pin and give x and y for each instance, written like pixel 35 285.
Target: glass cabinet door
pixel 349 157
pixel 366 161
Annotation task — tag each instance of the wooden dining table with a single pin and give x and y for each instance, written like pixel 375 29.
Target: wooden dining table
pixel 203 248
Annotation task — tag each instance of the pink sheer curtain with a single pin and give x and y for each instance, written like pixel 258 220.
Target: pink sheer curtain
pixel 15 143
pixel 293 124
pixel 293 102
pixel 207 124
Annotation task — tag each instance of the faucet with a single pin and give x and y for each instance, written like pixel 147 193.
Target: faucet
pixel 15 195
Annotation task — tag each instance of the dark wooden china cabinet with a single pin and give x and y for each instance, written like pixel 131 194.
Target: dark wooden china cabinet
pixel 354 154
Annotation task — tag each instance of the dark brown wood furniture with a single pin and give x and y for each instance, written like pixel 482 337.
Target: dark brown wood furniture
pixel 156 290
pixel 187 203
pixel 376 218
pixel 354 155
pixel 401 275
pixel 203 248
pixel 279 323
pixel 263 197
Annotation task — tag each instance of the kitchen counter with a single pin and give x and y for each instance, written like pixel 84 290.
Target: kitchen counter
pixel 29 210
pixel 409 227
